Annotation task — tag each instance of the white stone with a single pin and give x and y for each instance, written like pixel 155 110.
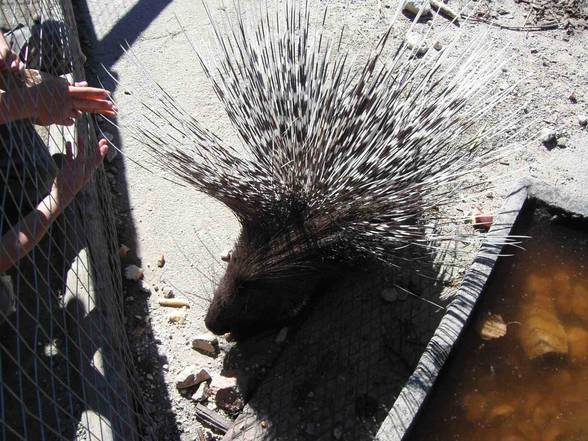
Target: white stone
pixel 416 42
pixel 548 135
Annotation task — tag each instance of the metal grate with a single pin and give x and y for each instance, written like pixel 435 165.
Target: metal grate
pixel 65 366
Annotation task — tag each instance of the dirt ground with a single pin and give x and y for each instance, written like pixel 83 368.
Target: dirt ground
pixel 191 231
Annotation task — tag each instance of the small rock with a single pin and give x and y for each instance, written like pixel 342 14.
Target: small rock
pixel 167 292
pixel 443 9
pixel 161 261
pixel 144 287
pixel 201 393
pixel 562 142
pixel 123 250
pixel 437 45
pixel 190 376
pixel 173 303
pixel 133 272
pixel 481 221
pixel 206 344
pixel 228 397
pixel 548 136
pixel 573 98
pixel 416 6
pixel 177 317
pixel 415 41
pixel 389 294
pixel 583 120
pixel 221 382
pixel 282 335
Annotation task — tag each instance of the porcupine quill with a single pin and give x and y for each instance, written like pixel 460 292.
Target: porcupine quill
pixel 340 163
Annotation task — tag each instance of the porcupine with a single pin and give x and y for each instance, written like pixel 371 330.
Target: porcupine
pixel 340 164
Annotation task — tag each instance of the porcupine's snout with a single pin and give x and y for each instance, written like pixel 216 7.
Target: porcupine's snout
pixel 244 304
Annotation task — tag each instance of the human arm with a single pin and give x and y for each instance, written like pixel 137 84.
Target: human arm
pixel 76 172
pixel 47 99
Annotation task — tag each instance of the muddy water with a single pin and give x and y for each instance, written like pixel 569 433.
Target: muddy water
pixel 532 383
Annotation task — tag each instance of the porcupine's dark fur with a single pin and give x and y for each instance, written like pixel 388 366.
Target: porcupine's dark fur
pixel 339 164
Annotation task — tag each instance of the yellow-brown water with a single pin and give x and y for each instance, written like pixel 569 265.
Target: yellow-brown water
pixel 531 384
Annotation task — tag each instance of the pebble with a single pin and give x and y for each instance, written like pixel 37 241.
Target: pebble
pixel 415 41
pixel 229 399
pixel 133 272
pixel 190 376
pixel 416 6
pixel 480 220
pixel 583 120
pixel 177 317
pixel 161 261
pixel 167 292
pixel 206 344
pixel 438 5
pixel 548 135
pixel 573 98
pixel 562 142
pixel 437 45
pixel 201 393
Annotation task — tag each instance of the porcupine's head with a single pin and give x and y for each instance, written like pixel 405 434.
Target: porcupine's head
pixel 337 162
pixel 263 286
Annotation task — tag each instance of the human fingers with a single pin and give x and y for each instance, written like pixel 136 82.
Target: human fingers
pixel 79 92
pixel 81 147
pixel 75 114
pixel 94 106
pixel 102 150
pixel 68 151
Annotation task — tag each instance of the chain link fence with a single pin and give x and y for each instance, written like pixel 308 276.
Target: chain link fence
pixel 65 367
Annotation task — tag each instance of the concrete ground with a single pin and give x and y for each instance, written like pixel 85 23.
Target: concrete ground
pixel 192 231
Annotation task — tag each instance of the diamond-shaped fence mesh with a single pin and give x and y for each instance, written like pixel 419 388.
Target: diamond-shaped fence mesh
pixel 65 370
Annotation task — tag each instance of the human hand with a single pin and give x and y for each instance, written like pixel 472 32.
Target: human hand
pixel 52 100
pixel 76 171
pixel 10 62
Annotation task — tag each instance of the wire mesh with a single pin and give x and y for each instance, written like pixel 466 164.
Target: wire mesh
pixel 65 370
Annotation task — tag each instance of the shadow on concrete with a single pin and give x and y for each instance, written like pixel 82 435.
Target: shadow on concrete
pixel 104 54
